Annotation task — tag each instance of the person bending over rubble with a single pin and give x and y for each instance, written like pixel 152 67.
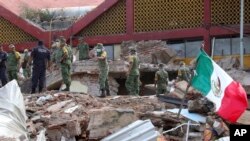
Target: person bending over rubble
pixel 41 60
pixel 183 73
pixel 133 75
pixel 101 55
pixel 13 63
pixel 161 80
pixel 65 62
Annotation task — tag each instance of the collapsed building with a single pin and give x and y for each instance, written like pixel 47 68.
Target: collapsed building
pixel 172 33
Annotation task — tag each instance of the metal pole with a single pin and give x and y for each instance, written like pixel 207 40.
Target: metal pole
pixel 241 33
pixel 183 99
pixel 50 27
pixel 213 44
pixel 187 133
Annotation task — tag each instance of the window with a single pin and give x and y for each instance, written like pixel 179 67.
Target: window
pixel 247 44
pixel 222 46
pixel 192 48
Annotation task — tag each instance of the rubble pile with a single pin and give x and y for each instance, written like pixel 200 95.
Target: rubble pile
pixel 68 116
pixel 229 63
pixel 180 90
pixel 89 81
pixel 152 52
pixel 84 116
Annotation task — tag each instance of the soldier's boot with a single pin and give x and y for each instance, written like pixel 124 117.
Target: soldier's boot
pixel 103 93
pixel 108 92
pixel 66 89
pixel 33 91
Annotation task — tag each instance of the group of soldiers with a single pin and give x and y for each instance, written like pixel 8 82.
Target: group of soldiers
pixel 162 77
pixel 62 55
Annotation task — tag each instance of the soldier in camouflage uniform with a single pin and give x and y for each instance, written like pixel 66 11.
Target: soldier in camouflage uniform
pixel 65 63
pixel 25 65
pixel 83 48
pixel 13 63
pixel 55 52
pixel 103 68
pixel 133 75
pixel 183 73
pixel 161 80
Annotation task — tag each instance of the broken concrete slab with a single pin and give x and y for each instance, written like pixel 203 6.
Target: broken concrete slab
pixel 76 87
pixel 108 120
pixel 58 106
pixel 66 124
pixel 180 90
pixel 228 63
pixel 201 106
pixel 152 51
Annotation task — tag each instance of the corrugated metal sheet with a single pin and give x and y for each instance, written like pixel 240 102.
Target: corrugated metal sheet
pixel 137 131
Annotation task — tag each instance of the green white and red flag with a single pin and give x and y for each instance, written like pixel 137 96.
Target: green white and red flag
pixel 228 96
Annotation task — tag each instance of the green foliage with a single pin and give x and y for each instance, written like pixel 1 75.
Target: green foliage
pixel 36 14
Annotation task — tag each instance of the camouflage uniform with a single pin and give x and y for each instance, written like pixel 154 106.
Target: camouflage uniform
pixel 25 66
pixel 83 50
pixel 104 69
pixel 183 73
pixel 55 58
pixel 65 63
pixel 12 63
pixel 133 79
pixel 161 80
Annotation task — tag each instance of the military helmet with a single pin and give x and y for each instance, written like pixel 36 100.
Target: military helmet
pixel 132 49
pixel 182 63
pixel 99 46
pixel 62 39
pixel 161 65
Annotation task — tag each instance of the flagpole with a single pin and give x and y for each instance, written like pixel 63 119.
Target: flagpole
pixel 241 33
pixel 189 83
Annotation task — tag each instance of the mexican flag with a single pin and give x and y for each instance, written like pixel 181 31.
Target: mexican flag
pixel 228 96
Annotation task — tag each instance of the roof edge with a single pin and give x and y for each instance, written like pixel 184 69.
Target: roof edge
pixel 21 23
pixel 89 18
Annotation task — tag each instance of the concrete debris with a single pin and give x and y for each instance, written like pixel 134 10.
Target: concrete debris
pixel 108 120
pixel 218 126
pixel 153 51
pixel 180 89
pixel 229 63
pixel 201 106
pixel 80 116
pixel 58 106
